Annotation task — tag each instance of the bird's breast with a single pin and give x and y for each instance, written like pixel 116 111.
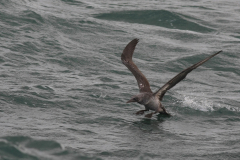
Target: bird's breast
pixel 153 104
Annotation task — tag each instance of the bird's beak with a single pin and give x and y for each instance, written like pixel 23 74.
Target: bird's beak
pixel 131 100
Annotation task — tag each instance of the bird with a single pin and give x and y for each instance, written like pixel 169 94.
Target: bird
pixel 152 100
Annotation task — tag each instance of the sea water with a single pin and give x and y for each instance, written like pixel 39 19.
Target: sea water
pixel 63 89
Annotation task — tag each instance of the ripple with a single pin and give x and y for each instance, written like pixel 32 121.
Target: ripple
pixel 29 16
pixel 72 2
pixel 47 88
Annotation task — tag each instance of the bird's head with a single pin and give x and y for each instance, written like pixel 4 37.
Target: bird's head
pixel 137 98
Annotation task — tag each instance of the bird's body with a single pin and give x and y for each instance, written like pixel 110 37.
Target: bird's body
pixel 152 101
pixel 154 104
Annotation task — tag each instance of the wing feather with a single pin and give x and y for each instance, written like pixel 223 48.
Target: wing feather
pixel 126 58
pixel 160 93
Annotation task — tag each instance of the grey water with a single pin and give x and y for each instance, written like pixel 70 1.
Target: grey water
pixel 63 89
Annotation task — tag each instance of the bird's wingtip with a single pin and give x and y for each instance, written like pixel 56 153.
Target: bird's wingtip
pixel 136 39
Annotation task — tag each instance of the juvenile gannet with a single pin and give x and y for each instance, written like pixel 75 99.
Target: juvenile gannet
pixel 152 101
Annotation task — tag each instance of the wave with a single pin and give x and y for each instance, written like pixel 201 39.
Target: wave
pixel 161 18
pixel 23 147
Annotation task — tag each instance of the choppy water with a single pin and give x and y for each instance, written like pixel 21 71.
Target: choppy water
pixel 63 88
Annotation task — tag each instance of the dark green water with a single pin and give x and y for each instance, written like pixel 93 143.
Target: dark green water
pixel 63 89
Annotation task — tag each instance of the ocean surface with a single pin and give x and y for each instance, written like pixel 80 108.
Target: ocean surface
pixel 64 89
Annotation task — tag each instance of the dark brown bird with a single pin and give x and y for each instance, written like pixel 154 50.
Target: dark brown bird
pixel 152 101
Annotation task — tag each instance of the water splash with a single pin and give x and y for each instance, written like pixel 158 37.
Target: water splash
pixel 198 104
pixel 206 104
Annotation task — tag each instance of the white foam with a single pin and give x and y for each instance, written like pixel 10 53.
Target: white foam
pixel 205 104
pixel 196 103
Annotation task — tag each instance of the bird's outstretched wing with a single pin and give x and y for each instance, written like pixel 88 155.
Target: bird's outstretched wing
pixel 127 61
pixel 160 93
